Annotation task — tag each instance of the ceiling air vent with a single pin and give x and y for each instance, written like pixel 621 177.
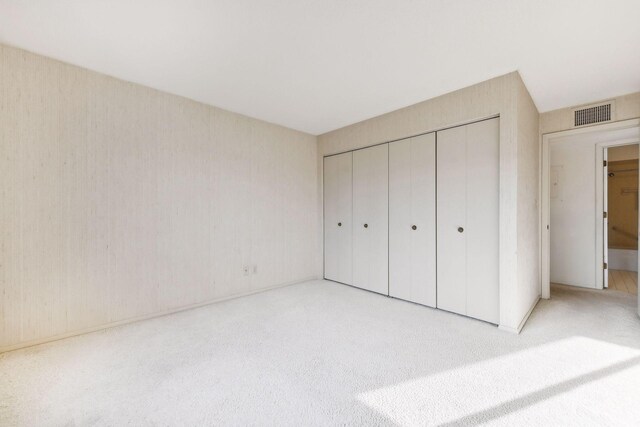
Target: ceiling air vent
pixel 593 114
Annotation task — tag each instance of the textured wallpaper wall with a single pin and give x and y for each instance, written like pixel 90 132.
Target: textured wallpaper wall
pixel 118 201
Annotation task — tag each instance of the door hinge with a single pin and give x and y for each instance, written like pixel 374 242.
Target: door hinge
pixel 604 214
pixel 604 163
pixel 604 265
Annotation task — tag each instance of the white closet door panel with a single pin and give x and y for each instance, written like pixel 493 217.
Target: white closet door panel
pixel 370 208
pixel 400 218
pixel 452 213
pixel 345 219
pixel 338 217
pixel 331 239
pixel 412 269
pixel 482 230
pixel 423 196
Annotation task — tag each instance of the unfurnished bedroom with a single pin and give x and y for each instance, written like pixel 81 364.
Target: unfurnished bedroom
pixel 318 213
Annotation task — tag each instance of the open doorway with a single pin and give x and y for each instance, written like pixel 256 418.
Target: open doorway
pixel 574 231
pixel 621 221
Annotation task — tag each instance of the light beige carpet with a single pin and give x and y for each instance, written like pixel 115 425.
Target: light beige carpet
pixel 321 353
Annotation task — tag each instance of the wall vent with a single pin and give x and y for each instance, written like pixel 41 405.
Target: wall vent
pixel 593 114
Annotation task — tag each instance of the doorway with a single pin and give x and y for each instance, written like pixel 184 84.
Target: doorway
pixel 572 222
pixel 621 221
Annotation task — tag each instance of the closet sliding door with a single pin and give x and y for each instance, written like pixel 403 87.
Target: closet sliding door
pixel 468 228
pixel 412 219
pixel 338 218
pixel 370 218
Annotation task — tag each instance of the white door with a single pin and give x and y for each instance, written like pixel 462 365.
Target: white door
pixel 467 212
pixel 452 215
pixel 370 218
pixel 412 219
pixel 338 217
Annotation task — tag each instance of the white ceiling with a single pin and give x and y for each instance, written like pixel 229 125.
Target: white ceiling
pixel 317 65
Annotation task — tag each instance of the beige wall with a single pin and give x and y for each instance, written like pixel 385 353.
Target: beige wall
pixel 528 201
pixel 627 107
pixel 506 96
pixel 120 202
pixel 623 152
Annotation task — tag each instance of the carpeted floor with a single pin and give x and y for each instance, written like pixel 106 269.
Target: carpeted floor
pixel 320 353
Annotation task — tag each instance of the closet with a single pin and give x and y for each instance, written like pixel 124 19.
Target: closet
pixel 337 217
pixel 371 218
pixel 412 219
pixel 417 219
pixel 468 228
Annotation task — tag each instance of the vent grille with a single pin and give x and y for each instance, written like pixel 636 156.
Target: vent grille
pixel 597 114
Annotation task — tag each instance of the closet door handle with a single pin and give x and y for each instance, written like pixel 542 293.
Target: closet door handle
pixel 339 224
pixel 413 227
pixel 460 229
pixel 366 225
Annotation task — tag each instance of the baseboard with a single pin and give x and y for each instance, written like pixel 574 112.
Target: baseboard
pixel 524 320
pixel 39 341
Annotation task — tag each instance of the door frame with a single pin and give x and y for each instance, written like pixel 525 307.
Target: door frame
pixel 604 178
pixel 545 206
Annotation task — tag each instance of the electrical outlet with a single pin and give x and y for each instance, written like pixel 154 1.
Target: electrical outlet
pixel 245 270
